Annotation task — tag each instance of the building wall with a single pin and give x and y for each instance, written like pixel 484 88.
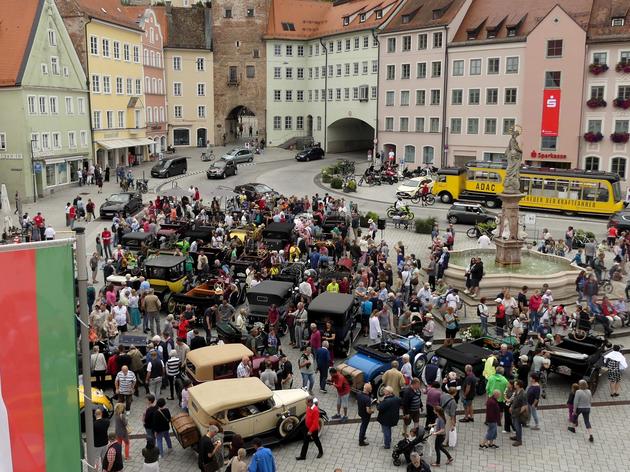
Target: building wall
pixel 237 42
pixel 605 155
pixel 557 25
pixel 183 108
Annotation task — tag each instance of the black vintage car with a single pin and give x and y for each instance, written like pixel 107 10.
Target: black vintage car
pixel 342 311
pixel 133 240
pixel 277 235
pixel 268 292
pixel 127 203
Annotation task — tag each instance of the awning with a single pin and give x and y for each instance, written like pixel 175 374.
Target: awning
pixel 124 143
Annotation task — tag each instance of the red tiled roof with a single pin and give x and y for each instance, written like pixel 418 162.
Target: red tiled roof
pixel 418 14
pixel 110 11
pixel 135 12
pixel 600 27
pixel 318 18
pixel 18 21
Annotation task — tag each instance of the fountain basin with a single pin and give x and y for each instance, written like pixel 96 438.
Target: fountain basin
pixel 535 270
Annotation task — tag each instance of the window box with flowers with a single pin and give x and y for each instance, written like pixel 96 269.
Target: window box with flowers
pixel 619 137
pixel 592 137
pixel 623 67
pixel 621 103
pixel 596 102
pixel 597 69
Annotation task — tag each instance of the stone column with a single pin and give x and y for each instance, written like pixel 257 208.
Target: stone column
pixel 509 248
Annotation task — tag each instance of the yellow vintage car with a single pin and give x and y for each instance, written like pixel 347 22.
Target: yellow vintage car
pixel 100 400
pixel 248 407
pixel 166 274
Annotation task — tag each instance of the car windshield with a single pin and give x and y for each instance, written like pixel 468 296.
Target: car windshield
pixel 118 198
pixel 162 164
pixel 262 188
pixel 220 163
pixel 233 152
pixel 411 183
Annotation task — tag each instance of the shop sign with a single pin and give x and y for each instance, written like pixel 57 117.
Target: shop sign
pixel 550 112
pixel 546 155
pixel 11 157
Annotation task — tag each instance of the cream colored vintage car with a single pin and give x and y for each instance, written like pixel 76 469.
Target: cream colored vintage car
pixel 248 407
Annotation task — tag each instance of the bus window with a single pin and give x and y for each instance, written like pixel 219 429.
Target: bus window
pixel 563 188
pixel 602 192
pixel 442 178
pixel 525 184
pixel 616 192
pixel 589 191
pixel 537 187
pixel 483 176
pixel 574 190
pixel 550 188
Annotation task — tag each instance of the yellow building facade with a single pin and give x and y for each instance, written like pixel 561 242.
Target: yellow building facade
pixel 117 101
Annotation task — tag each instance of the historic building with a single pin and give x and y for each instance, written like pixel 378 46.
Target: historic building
pixel 44 120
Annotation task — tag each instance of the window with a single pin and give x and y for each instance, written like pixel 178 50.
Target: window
pixel 288 72
pixel 410 153
pixel 403 125
pixel 621 126
pixel 618 166
pixel 364 67
pixel 256 53
pixel 508 125
pixel 422 41
pixel 623 91
pixel 119 86
pixel 419 124
pixel 600 58
pixel 552 79
pixel 510 96
pixel 177 111
pixel 366 41
pixel 288 95
pixel 346 20
pixel 391 72
pixel 473 96
pixel 126 53
pixel 69 106
pixel 493 65
pixel 201 64
pixel 437 40
pixel 597 92
pixel 227 13
pixel 457 96
pixel 288 50
pixel 618 21
pixel 492 96
pixel 300 51
pixel 405 71
pixel 129 86
pixel 364 91
pixel 548 143
pixel 53 105
pixel 84 139
pixel 32 107
pixel 250 12
pixel 348 43
pixel 43 105
pixel 54 65
pixel 435 97
pixel 472 126
pixel 299 122
pixel 121 119
pixel 138 87
pixel 52 38
pixel 105 48
pixel 389 124
pixel 288 122
pixel 458 68
pixel 511 65
pixel 250 72
pixel 406 43
pixel 277 95
pixel 96 120
pixel 56 141
pixel 300 95
pixel 420 97
pixel 201 111
pixel 389 98
pixel 331 47
pixel 373 93
pixel 177 63
pixel 434 125
pixel 201 89
pixel 94 45
pixel 591 163
pixel 72 139
pixel 554 48
pixel 319 123
pixel 475 67
pixel 491 126
pixel 338 70
pixel 456 126
pixel 66 71
pixel 421 70
pixel 45 141
pixel 277 51
pixel 117 50
pixel 339 45
pixel 136 54
pixel 624 57
pixel 3 142
pixel 357 42
pixel 110 119
pixel 277 72
pixel 594 126
pixel 404 98
pixel 81 105
pixel 427 155
pixel 436 69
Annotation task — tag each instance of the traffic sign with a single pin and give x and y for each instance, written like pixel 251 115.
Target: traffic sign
pixel 37 167
pixel 530 219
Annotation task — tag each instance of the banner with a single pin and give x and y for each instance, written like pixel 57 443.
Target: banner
pixel 39 402
pixel 550 112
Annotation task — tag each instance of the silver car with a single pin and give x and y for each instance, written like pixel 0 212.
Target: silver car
pixel 239 155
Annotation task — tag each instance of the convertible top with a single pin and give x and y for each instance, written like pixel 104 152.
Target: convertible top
pixel 219 395
pixel 271 287
pixel 136 236
pixel 278 228
pixel 331 303
pixel 164 261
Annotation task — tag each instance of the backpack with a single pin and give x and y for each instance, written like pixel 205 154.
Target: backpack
pixel 480 386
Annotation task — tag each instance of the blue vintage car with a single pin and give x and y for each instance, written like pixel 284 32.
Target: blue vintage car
pixel 371 361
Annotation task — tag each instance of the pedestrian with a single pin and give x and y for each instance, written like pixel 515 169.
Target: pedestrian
pixel 237 462
pixel 210 447
pixel 161 425
pixel 306 363
pixel 98 367
pixel 268 375
pixel 483 314
pixel 519 410
pixel 365 410
pixel 113 460
pixel 244 368
pixel 151 456
pixel 121 424
pixel 493 420
pixel 388 415
pixel 134 309
pixel 155 372
pixel 375 328
pixel 262 459
pixel 312 429
pixel 571 402
pixel 394 378
pixel 101 426
pixel 417 464
pixel 173 371
pixel 285 373
pixel 440 432
pixel 322 358
pixel 151 306
pixel 125 384
pixel 341 384
pixel 94 260
pixel 412 405
pixel 582 404
pixel 89 210
pixel 468 394
pixel 106 237
pixel 301 317
pixel 315 339
pixel 533 398
pixel 147 417
pixel 616 363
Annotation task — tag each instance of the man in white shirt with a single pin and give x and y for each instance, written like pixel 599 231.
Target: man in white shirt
pixel 405 276
pixel 306 290
pixel 424 295
pixel 483 242
pixel 49 233
pixel 452 299
pixel 244 369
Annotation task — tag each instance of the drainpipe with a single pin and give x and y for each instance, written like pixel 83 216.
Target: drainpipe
pixel 378 79
pixel 325 95
pixel 444 143
pixel 580 142
pixel 89 102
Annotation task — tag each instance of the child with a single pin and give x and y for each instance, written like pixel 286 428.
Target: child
pixel 574 389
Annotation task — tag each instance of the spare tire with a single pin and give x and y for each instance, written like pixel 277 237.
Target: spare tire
pixel 287 425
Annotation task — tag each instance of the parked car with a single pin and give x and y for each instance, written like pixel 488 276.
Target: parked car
pixel 238 155
pixel 221 169
pixel 621 220
pixel 410 186
pixel 277 235
pixel 99 400
pixel 169 167
pixel 263 295
pixel 469 213
pixel 310 154
pixel 371 361
pixel 342 311
pixel 166 274
pixel 133 240
pixel 128 203
pixel 253 189
pixel 249 408
pixel 220 362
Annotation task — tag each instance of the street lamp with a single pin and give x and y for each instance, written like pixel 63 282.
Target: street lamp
pixel 33 169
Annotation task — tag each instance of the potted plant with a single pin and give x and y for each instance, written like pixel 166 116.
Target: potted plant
pixel 596 102
pixel 597 69
pixel 351 186
pixel 623 67
pixel 621 103
pixel 593 137
pixel 425 225
pixel 336 183
pixel 619 137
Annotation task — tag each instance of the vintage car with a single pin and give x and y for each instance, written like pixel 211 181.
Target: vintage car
pixel 133 240
pixel 342 311
pixel 166 274
pixel 251 190
pixel 268 292
pixel 331 222
pixel 277 236
pixel 127 203
pixel 220 362
pixel 371 361
pixel 99 400
pixel 245 260
pixel 249 408
pixel 207 294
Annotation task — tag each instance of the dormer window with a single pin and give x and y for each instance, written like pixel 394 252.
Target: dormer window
pixel 379 14
pixel 346 20
pixel 472 35
pixel 511 32
pixel 492 33
pixel 362 17
pixel 406 19
pixel 437 14
pixel 618 21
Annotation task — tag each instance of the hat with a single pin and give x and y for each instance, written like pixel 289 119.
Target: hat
pixel 428 315
pixel 370 221
pixel 498 300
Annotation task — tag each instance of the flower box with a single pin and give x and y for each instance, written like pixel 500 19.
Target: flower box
pixel 619 137
pixel 596 103
pixel 597 69
pixel 623 67
pixel 621 103
pixel 593 137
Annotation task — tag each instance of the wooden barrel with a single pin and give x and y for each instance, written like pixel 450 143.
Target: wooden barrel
pixel 185 430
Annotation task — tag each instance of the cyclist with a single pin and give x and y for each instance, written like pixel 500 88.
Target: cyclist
pixel 400 206
pixel 424 191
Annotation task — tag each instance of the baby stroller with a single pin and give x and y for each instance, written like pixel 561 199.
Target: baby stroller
pixel 406 446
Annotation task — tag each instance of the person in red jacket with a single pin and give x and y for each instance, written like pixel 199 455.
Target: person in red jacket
pixel 183 327
pixel 340 382
pixel 312 429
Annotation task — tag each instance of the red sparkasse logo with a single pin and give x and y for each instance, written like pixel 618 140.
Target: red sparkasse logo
pixel 546 155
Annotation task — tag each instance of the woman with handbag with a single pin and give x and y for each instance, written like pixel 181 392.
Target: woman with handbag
pixel 452 326
pixel 161 424
pixel 121 427
pixel 440 436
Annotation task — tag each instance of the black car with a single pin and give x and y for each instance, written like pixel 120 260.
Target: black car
pixel 221 169
pixel 342 311
pixel 621 220
pixel 310 154
pixel 251 190
pixel 263 295
pixel 125 202
pixel 277 235
pixel 169 167
pixel 470 213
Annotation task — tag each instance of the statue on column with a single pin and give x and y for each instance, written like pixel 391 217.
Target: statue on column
pixel 514 157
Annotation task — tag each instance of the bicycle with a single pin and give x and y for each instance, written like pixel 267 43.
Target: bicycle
pixel 475 232
pixel 605 285
pixel 428 199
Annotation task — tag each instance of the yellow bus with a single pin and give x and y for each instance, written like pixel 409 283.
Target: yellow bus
pixel 567 191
